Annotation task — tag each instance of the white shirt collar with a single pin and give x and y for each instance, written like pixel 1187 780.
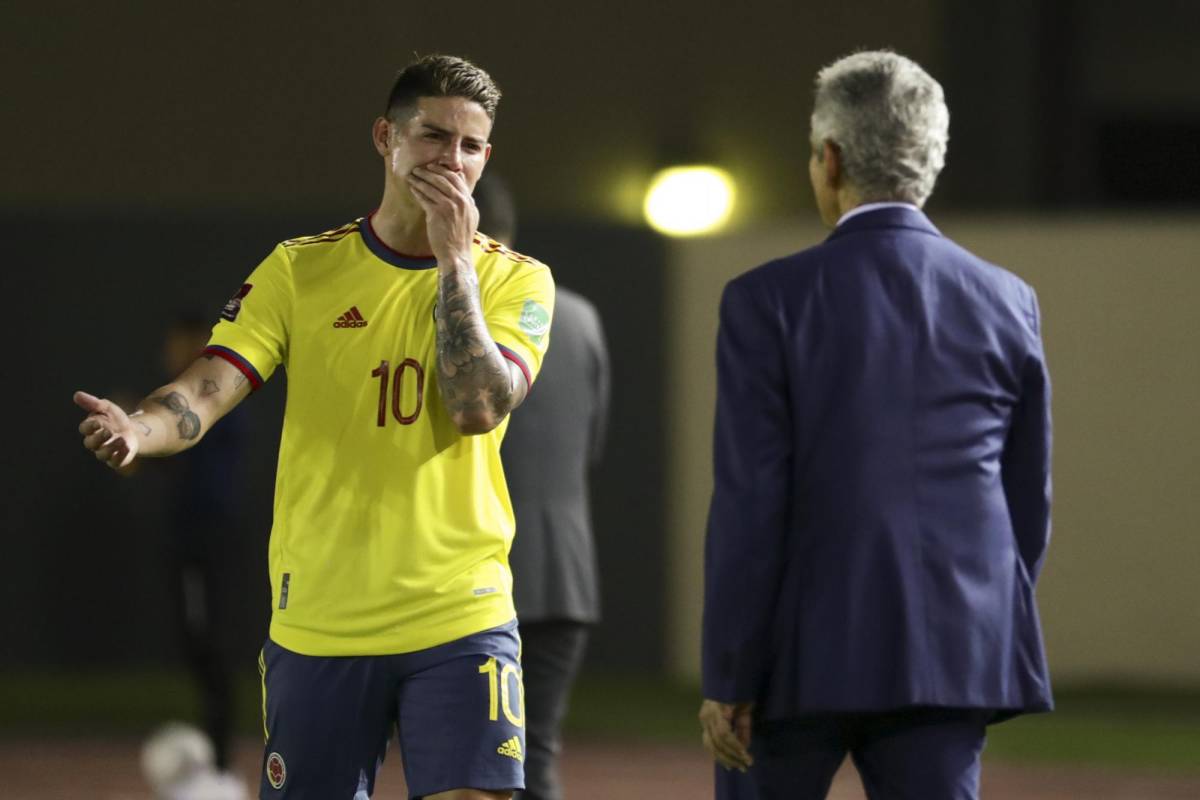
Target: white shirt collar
pixel 865 207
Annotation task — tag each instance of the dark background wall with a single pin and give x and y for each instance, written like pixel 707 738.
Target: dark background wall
pixel 267 105
pixel 152 153
pixel 1071 104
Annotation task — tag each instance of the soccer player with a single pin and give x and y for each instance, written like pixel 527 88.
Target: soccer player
pixel 408 338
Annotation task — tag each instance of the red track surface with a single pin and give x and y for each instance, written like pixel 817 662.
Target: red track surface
pixel 108 770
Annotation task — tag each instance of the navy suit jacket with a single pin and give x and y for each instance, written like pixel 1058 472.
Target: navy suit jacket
pixel 881 506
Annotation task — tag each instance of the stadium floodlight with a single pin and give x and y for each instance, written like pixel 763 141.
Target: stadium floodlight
pixel 689 200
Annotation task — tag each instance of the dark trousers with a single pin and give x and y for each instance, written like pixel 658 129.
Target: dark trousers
pixel 551 653
pixel 195 572
pixel 918 754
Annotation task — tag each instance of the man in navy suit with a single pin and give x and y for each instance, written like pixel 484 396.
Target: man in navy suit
pixel 881 506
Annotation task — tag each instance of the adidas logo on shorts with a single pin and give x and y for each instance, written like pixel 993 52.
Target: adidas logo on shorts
pixel 511 748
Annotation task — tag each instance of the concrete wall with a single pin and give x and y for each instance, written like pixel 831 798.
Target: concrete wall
pixel 1120 597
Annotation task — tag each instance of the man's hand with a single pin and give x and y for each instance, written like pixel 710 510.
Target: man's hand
pixel 450 214
pixel 726 728
pixel 108 431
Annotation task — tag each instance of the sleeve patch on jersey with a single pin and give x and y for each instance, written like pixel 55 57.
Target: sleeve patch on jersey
pixel 234 358
pixel 535 321
pixel 234 306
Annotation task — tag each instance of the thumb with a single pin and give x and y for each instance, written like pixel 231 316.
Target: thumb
pixel 88 402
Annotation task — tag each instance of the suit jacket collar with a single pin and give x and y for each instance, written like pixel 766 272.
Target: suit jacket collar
pixel 891 217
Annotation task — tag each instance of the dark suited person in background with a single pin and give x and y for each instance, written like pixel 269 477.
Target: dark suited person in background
pixel 204 513
pixel 550 445
pixel 881 507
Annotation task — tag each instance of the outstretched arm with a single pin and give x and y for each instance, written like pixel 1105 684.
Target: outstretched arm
pixel 172 418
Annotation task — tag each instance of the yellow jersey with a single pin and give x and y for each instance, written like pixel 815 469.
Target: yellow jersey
pixel 391 529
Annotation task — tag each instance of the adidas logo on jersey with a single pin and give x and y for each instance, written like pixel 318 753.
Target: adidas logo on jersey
pixel 351 319
pixel 511 748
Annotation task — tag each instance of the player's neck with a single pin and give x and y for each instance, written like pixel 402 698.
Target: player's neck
pixel 402 228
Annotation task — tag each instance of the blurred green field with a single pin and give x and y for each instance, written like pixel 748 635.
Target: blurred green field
pixel 1110 726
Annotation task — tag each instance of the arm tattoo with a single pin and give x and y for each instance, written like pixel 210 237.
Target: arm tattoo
pixel 239 380
pixel 209 386
pixel 142 426
pixel 474 378
pixel 189 424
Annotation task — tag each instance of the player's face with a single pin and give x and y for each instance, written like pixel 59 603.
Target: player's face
pixel 451 132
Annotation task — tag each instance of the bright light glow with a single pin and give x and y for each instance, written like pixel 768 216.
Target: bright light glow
pixel 688 201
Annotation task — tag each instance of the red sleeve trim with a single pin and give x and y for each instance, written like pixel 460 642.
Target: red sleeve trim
pixel 236 359
pixel 516 359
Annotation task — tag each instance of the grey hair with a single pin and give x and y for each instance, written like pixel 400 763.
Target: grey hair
pixel 889 120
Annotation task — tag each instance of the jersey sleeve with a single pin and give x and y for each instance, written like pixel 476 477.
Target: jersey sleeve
pixel 518 317
pixel 252 333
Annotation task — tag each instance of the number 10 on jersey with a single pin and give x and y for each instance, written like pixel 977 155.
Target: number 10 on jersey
pixel 384 373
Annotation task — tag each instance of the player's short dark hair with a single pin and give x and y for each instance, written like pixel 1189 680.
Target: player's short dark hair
pixel 442 76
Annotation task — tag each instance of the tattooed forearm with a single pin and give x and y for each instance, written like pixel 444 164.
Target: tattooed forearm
pixel 188 423
pixel 475 383
pixel 209 386
pixel 140 424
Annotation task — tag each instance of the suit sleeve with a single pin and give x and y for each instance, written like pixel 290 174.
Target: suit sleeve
pixel 603 389
pixel 1025 463
pixel 744 550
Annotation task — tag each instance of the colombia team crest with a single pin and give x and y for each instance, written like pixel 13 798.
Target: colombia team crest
pixel 276 770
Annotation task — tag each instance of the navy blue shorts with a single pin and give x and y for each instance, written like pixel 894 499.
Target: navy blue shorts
pixel 458 709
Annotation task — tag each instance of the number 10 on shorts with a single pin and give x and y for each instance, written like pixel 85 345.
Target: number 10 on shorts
pixel 500 683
